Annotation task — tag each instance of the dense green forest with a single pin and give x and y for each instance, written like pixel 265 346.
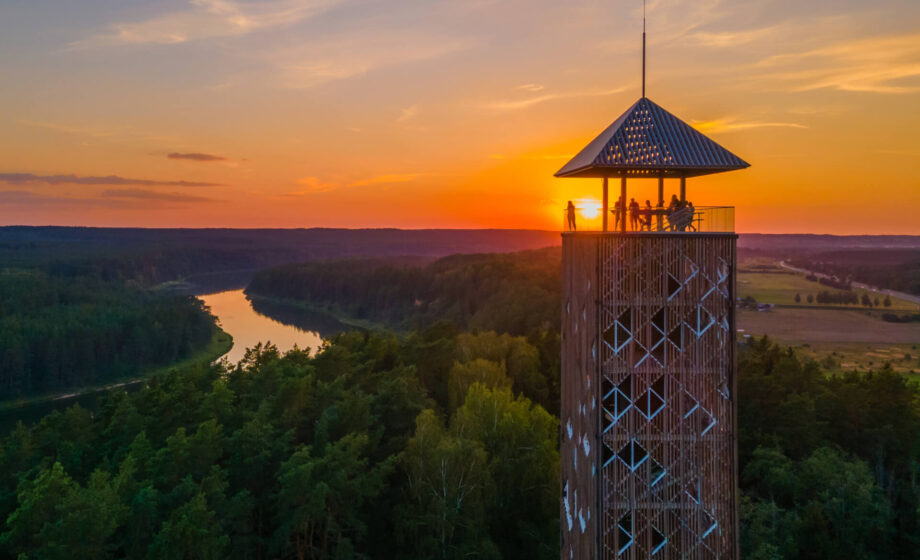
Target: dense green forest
pixel 517 293
pixel 419 447
pixel 377 447
pixel 828 463
pixel 63 331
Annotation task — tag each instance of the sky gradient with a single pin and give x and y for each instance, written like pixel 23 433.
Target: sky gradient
pixel 396 113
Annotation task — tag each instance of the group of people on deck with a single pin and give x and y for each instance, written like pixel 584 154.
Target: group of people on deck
pixel 680 214
pixel 641 218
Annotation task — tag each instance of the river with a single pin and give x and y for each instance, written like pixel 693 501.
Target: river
pixel 248 322
pixel 236 315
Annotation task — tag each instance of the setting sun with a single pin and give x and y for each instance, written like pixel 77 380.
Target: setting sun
pixel 588 208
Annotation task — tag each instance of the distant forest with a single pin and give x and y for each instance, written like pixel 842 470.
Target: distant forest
pixel 159 255
pixel 517 293
pixel 894 269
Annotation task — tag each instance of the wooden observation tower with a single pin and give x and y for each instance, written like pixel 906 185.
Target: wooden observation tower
pixel 649 453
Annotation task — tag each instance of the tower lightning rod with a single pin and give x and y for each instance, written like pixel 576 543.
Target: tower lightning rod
pixel 643 48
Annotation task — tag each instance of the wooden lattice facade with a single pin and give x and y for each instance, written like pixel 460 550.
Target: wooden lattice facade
pixel 648 396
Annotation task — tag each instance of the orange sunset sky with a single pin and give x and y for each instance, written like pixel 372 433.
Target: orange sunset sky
pixel 454 114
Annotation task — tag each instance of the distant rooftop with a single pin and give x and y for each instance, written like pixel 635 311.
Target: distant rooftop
pixel 648 141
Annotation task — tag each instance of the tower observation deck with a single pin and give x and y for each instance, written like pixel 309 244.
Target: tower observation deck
pixel 648 352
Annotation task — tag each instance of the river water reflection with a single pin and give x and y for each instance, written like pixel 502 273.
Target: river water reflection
pixel 251 322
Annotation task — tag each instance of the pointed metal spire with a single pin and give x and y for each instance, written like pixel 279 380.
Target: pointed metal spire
pixel 643 48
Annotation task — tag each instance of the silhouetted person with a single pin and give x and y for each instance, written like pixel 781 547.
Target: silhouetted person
pixel 674 204
pixel 633 214
pixel 618 213
pixel 570 215
pixel 648 215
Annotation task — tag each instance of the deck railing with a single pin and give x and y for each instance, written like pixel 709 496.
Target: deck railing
pixel 703 219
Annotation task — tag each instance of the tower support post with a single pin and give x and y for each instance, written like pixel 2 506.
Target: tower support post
pixel 622 208
pixel 604 208
pixel 660 201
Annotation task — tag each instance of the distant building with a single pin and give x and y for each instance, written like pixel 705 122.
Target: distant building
pixel 649 460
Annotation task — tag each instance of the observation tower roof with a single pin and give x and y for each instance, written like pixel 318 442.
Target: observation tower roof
pixel 648 141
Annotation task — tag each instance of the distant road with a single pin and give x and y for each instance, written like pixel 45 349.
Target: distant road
pixel 861 286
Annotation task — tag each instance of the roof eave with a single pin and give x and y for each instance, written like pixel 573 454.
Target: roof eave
pixel 597 172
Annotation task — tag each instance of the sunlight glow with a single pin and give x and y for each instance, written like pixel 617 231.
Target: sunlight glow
pixel 589 208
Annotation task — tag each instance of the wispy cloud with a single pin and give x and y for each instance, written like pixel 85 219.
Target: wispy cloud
pixel 315 63
pixel 876 65
pixel 206 19
pixel 193 156
pixel 92 131
pixel 518 104
pixel 102 133
pixel 407 114
pixel 29 199
pixel 731 124
pixel 141 194
pixel 732 38
pixel 24 197
pixel 312 185
pixel 533 88
pixel 533 156
pixel 388 178
pixel 672 22
pixel 116 198
pixel 825 109
pixel 29 178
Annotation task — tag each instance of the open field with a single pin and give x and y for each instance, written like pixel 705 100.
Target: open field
pixel 791 324
pixel 838 356
pixel 841 338
pixel 781 287
pixel 854 339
